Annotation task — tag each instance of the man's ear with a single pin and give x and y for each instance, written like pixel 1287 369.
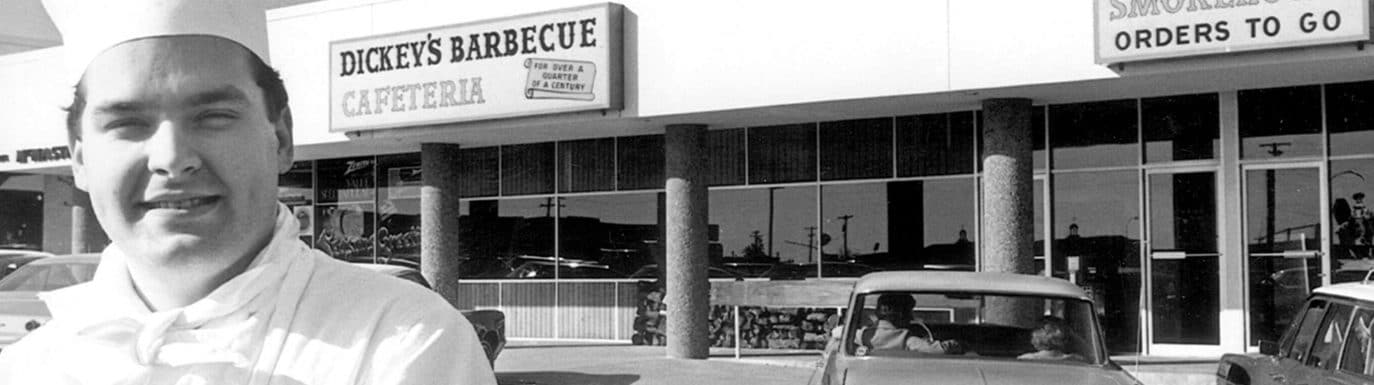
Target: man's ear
pixel 78 164
pixel 286 149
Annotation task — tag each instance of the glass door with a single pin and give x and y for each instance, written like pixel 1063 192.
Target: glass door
pixel 1184 279
pixel 1284 224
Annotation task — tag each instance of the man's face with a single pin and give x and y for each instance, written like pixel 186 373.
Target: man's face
pixel 177 152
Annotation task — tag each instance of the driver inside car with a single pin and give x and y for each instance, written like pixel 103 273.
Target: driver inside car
pixel 895 330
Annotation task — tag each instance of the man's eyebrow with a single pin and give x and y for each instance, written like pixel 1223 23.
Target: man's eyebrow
pixel 230 94
pixel 116 108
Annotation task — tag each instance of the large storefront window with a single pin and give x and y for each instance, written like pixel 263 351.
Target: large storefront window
pixel 398 213
pixel 507 238
pixel 1352 220
pixel 1280 123
pixel 346 208
pixel 610 236
pixel 1097 234
pixel 766 225
pixel 21 201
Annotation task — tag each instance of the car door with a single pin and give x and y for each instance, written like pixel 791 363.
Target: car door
pixel 1323 358
pixel 1288 366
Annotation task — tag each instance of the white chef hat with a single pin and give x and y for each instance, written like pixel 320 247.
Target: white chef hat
pixel 89 27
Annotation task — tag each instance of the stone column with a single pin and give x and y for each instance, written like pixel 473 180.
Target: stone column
pixel 1008 229
pixel 688 290
pixel 439 207
pixel 87 235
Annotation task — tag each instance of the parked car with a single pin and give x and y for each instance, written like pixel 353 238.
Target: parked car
pixel 968 328
pixel 490 324
pixel 12 259
pixel 20 309
pixel 1327 342
pixel 650 271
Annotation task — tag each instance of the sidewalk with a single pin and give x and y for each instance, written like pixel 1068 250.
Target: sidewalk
pixel 569 363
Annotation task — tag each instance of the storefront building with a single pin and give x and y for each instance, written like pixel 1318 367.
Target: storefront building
pixel 1198 188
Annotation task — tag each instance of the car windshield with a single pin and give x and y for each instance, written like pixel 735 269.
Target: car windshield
pixel 980 326
pixel 46 277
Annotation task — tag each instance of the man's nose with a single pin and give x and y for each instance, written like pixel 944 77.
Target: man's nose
pixel 170 152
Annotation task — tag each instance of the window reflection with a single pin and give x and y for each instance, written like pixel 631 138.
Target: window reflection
pixel 1352 220
pixel 610 235
pixel 1097 236
pixel 1280 122
pixel 296 189
pixel 906 225
pixel 766 225
pixel 398 216
pixel 496 237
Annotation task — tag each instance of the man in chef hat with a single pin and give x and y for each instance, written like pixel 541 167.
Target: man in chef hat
pixel 178 129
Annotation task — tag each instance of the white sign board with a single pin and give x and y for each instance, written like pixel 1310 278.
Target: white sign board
pixel 1132 30
pixel 558 61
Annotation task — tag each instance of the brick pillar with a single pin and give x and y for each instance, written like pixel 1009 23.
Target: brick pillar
pixel 1008 215
pixel 439 217
pixel 87 235
pixel 688 290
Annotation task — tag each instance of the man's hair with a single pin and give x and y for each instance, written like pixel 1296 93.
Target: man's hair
pixel 274 96
pixel 895 306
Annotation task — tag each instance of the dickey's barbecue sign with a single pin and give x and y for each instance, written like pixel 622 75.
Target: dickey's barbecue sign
pixel 1132 30
pixel 559 61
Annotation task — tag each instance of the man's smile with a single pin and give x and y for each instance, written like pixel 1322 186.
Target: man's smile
pixel 184 203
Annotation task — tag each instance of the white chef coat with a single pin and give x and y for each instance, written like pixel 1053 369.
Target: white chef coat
pixel 295 316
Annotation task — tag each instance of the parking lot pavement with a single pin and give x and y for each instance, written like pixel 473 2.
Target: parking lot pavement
pixel 623 364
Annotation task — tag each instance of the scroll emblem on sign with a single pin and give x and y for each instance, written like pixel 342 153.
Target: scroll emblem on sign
pixel 559 79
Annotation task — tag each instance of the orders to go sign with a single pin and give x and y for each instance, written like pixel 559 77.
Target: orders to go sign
pixel 1134 30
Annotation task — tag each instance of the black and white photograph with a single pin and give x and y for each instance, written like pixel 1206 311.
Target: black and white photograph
pixel 638 192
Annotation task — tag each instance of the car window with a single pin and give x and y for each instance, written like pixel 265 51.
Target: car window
pixel 975 326
pixel 1311 320
pixel 28 278
pixel 1355 357
pixel 1330 336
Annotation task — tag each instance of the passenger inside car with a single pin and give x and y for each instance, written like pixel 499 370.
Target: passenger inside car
pixel 1051 341
pixel 895 330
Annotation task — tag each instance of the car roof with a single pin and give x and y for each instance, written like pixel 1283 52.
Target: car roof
pixel 74 258
pixel 20 252
pixel 1354 290
pixel 964 281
